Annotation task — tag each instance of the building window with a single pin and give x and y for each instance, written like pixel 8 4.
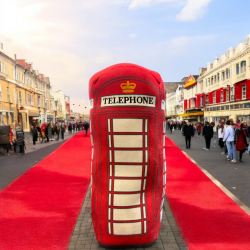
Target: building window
pixel 201 101
pixel 223 75
pixel 243 67
pixel 227 95
pixel 212 80
pixel 218 77
pixel 237 69
pixel 243 92
pixel 8 94
pixel 214 97
pixel 20 98
pixel 1 66
pixel 207 100
pixel 227 73
pixel 17 76
pixel 215 79
pixel 6 69
pixel 232 94
pixel 222 96
pixel 1 97
pixel 38 101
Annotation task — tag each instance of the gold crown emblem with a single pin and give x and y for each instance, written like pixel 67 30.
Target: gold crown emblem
pixel 128 87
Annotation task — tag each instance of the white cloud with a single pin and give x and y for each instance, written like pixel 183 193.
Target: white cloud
pixel 193 10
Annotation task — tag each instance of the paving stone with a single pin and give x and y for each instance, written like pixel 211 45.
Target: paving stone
pixel 83 236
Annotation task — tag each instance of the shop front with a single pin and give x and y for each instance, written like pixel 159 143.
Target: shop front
pixel 28 116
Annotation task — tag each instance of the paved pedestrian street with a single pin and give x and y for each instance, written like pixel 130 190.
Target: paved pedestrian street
pixel 83 236
pixel 231 178
pixel 234 177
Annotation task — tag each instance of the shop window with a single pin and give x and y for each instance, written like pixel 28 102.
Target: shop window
pixel 214 97
pixel 218 108
pixel 243 67
pixel 243 92
pixel 222 96
pixel 223 75
pixel 222 107
pixel 237 69
pixel 227 107
pixel 1 118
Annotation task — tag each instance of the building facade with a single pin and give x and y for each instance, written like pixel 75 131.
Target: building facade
pixel 225 91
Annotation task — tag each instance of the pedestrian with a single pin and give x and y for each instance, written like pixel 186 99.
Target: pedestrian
pixel 171 126
pixel 62 129
pixel 220 136
pixel 208 135
pixel 188 132
pixel 240 140
pixel 47 133
pixel 199 128
pixel 214 133
pixel 229 139
pixel 39 132
pixel 70 128
pixel 86 127
pixel 34 134
pixel 20 139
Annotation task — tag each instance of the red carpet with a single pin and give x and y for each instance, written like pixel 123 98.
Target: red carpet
pixel 207 217
pixel 39 209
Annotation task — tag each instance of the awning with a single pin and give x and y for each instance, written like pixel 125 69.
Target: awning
pixel 32 111
pixel 192 114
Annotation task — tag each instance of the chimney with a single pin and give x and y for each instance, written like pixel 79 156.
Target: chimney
pixel 15 57
pixel 1 47
pixel 248 39
pixel 231 52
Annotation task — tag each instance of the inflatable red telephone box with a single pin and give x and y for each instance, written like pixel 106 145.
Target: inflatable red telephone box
pixel 127 125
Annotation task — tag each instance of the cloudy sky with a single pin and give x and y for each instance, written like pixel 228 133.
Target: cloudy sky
pixel 70 40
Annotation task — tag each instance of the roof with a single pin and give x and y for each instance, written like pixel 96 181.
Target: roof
pixel 172 86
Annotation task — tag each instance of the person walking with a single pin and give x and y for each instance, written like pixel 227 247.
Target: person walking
pixel 208 135
pixel 188 132
pixel 171 126
pixel 34 134
pixel 215 132
pixel 220 136
pixel 70 128
pixel 199 128
pixel 47 132
pixel 62 128
pixel 229 139
pixel 86 127
pixel 241 140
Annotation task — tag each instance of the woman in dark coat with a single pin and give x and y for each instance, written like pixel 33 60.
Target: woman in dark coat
pixel 34 136
pixel 241 140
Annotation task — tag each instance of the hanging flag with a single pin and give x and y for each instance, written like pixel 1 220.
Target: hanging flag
pixel 190 82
